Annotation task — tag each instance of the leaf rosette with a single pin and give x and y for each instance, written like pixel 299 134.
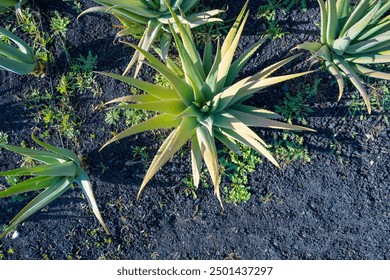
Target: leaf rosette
pixel 204 102
pixel 353 38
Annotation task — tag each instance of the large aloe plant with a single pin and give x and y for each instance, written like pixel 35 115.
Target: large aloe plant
pixel 149 21
pixel 205 102
pixel 19 59
pixel 58 169
pixel 351 38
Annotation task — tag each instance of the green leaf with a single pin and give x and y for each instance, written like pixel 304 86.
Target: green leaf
pixel 332 22
pixel 42 156
pixel 56 189
pixel 343 7
pixel 210 85
pixel 207 57
pixel 310 46
pixel 257 121
pixel 361 70
pixel 182 88
pixel 158 91
pixel 324 21
pixel 226 120
pixel 157 122
pixel 233 31
pixel 172 107
pixel 138 98
pixel 358 13
pixel 188 5
pixel 28 185
pixel 337 74
pixel 358 27
pixel 196 160
pixel 266 72
pixel 374 30
pixel 227 141
pixel 60 169
pixel 241 62
pixel 353 77
pixel 15 54
pixel 84 183
pixel 383 10
pixel 188 43
pixel 256 86
pixel 148 38
pixel 16 67
pixel 209 153
pixel 340 45
pixel 256 111
pixel 250 142
pixel 368 58
pixel 171 145
pixel 370 45
pixel 22 45
pixel 190 70
pixel 60 151
pixel 227 57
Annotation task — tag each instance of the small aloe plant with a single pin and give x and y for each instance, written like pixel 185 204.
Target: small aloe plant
pixel 351 38
pixel 205 103
pixel 149 21
pixel 59 169
pixel 20 59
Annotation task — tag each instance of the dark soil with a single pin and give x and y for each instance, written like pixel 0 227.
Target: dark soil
pixel 335 207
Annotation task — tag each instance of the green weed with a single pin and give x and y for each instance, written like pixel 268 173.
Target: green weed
pixel 295 105
pixel 59 25
pixel 290 148
pixel 236 168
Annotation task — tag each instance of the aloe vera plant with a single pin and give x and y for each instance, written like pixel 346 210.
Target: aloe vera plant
pixel 58 169
pixel 205 102
pixel 351 38
pixel 20 59
pixel 149 21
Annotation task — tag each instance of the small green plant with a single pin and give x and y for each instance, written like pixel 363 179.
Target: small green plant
pixel 289 148
pixel 379 99
pixel 55 113
pixel 80 76
pixel 112 117
pixel 149 21
pixel 204 103
pixel 140 152
pixel 268 13
pixel 351 37
pixel 295 107
pixel 59 24
pixel 21 59
pixel 58 169
pixel 29 23
pixel 237 167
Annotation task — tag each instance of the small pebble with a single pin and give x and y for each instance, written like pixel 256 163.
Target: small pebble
pixel 15 235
